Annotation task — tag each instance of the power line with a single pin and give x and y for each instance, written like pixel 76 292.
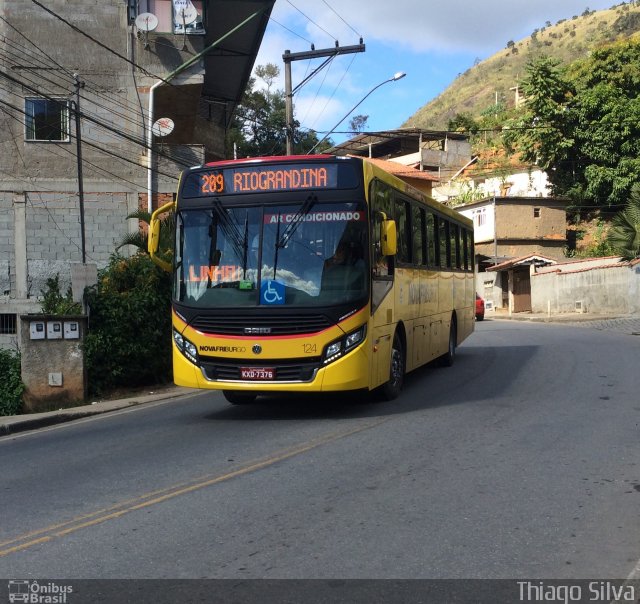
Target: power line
pixel 335 89
pixel 34 63
pixel 112 108
pixel 306 17
pixel 291 31
pixel 340 17
pixel 104 46
pixel 100 123
pixel 89 143
pixel 326 73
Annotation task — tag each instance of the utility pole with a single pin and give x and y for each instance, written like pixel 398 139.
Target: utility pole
pixel 288 57
pixel 76 109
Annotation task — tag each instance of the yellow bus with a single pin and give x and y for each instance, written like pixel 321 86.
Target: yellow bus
pixel 312 274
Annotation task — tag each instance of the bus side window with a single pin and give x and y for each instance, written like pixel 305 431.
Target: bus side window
pixel 445 243
pixel 454 233
pixel 381 202
pixel 465 249
pixel 417 226
pixel 404 231
pixel 432 244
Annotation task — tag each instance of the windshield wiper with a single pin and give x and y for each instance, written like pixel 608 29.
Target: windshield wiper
pixel 229 228
pixel 305 208
pixel 298 217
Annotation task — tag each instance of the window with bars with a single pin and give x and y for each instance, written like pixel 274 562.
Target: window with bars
pixel 8 324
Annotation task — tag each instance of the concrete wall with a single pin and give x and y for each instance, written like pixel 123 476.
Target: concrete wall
pixel 40 232
pixel 53 370
pixel 522 184
pixel 519 248
pixel 614 288
pixel 517 220
pixel 483 217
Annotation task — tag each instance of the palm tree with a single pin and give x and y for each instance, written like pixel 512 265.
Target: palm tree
pixel 624 235
pixel 140 238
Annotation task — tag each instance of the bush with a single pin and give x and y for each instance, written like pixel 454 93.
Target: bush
pixel 11 386
pixel 55 303
pixel 128 343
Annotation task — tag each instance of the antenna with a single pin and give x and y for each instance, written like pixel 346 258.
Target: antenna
pixel 162 127
pixel 185 12
pixel 146 22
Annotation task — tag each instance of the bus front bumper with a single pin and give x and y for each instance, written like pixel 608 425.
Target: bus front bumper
pixel 350 372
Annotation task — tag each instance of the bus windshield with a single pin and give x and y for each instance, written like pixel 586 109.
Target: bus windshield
pixel 305 254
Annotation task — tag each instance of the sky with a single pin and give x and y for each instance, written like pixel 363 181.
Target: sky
pixel 431 41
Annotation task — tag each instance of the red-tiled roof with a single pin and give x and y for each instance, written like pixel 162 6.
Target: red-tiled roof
pixel 528 259
pixel 400 170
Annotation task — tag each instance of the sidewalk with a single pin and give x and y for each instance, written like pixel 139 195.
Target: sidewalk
pixel 629 324
pixel 569 317
pixel 11 424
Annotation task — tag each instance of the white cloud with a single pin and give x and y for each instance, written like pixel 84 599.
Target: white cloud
pixel 425 25
pixel 431 41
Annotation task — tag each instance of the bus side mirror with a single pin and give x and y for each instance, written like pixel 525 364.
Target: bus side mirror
pixel 153 238
pixel 388 238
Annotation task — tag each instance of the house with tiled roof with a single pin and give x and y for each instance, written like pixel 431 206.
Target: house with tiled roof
pixel 509 228
pixel 422 158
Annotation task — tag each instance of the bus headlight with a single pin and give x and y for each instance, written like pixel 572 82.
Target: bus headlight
pixel 340 347
pixel 185 346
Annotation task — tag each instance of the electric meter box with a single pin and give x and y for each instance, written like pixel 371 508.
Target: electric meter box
pixel 71 330
pixel 54 330
pixel 37 330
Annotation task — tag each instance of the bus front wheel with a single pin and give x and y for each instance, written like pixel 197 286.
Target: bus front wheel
pixel 393 387
pixel 239 398
pixel 447 359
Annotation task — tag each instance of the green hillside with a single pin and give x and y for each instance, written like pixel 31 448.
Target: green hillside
pixel 496 77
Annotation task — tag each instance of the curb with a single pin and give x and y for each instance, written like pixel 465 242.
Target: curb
pixel 563 318
pixel 12 424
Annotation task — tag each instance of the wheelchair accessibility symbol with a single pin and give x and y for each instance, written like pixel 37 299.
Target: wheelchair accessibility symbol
pixel 272 292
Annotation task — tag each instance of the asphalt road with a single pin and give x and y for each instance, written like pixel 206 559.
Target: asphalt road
pixel 519 461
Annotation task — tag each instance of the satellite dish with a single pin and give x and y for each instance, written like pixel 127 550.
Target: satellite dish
pixel 186 12
pixel 163 127
pixel 146 22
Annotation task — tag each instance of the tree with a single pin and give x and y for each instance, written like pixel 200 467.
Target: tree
pixel 463 122
pixel 624 235
pixel 140 238
pixel 607 123
pixel 582 124
pixel 541 133
pixel 358 123
pixel 259 125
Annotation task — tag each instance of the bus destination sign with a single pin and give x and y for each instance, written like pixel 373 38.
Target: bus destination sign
pixel 261 179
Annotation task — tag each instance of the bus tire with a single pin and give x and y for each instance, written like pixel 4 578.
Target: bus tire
pixel 447 359
pixel 392 388
pixel 239 398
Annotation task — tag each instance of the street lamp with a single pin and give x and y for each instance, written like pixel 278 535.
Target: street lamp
pixel 394 78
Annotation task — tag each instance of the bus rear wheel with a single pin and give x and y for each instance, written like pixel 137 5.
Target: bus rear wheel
pixel 239 398
pixel 392 388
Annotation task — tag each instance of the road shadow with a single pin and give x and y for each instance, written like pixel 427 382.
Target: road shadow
pixel 495 368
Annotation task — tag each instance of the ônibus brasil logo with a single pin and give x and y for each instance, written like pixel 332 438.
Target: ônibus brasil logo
pixel 39 592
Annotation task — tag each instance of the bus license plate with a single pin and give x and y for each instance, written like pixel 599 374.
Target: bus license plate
pixel 257 373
